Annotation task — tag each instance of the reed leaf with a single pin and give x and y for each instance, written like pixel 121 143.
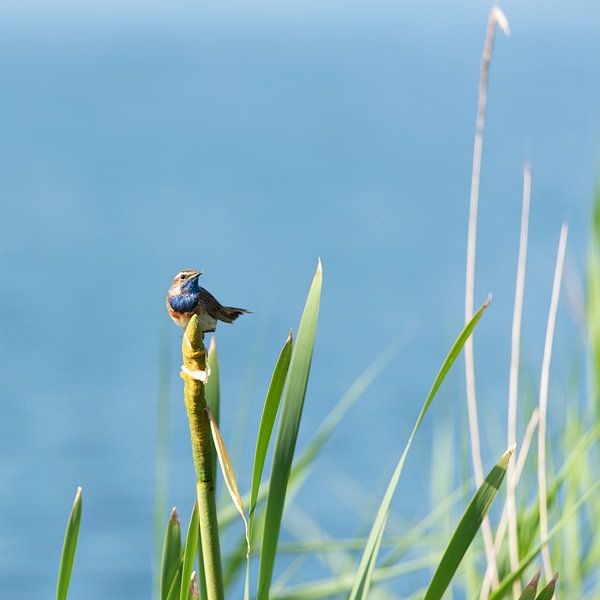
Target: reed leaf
pixel 191 542
pixel 467 528
pixel 287 433
pixel 548 592
pixel 362 580
pixel 171 558
pixel 69 548
pixel 267 420
pixel 530 591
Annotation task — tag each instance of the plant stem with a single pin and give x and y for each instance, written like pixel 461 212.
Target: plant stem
pixel 192 373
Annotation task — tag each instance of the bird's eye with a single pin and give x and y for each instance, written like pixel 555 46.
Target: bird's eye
pixel 182 276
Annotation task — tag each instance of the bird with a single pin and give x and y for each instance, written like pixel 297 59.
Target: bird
pixel 187 298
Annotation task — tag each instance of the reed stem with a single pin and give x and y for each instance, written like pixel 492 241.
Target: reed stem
pixel 194 376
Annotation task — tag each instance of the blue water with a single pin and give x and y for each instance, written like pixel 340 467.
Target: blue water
pixel 248 144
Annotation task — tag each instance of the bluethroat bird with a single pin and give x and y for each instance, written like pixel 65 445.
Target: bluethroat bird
pixel 187 298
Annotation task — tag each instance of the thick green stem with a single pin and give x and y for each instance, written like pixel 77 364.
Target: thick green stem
pixel 193 373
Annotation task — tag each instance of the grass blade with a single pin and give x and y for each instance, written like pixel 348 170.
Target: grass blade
pixel 548 592
pixel 69 548
pixel 191 542
pixel 268 420
pixel 530 590
pixel 467 528
pixel 287 434
pixel 362 580
pixel 171 557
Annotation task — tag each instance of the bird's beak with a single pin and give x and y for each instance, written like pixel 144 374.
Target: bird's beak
pixel 197 275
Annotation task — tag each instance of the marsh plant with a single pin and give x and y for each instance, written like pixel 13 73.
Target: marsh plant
pixel 546 511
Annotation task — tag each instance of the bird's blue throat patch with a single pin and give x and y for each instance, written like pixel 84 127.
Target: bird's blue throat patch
pixel 187 300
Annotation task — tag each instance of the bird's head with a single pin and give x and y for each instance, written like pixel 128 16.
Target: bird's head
pixel 183 280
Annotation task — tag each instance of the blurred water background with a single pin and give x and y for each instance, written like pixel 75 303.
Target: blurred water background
pixel 247 140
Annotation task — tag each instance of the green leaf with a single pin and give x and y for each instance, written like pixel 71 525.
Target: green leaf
pixel 530 590
pixel 548 592
pixel 467 529
pixel 362 579
pixel 287 433
pixel 69 548
pixel 171 557
pixel 191 542
pixel 173 593
pixel 267 420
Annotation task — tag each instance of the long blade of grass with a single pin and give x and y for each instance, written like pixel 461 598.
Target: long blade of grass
pixel 548 592
pixel 287 433
pixel 467 528
pixel 171 557
pixel 530 591
pixel 362 580
pixel 505 585
pixel 267 420
pixel 189 553
pixel 69 548
pixel 173 593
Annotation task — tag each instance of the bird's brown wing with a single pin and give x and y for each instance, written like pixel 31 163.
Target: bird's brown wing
pixel 216 310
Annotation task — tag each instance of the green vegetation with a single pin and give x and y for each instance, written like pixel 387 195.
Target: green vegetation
pixel 572 499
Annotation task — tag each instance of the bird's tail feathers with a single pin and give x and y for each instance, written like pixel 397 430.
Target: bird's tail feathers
pixel 228 314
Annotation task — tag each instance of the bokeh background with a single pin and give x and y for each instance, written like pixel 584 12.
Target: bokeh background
pixel 247 139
